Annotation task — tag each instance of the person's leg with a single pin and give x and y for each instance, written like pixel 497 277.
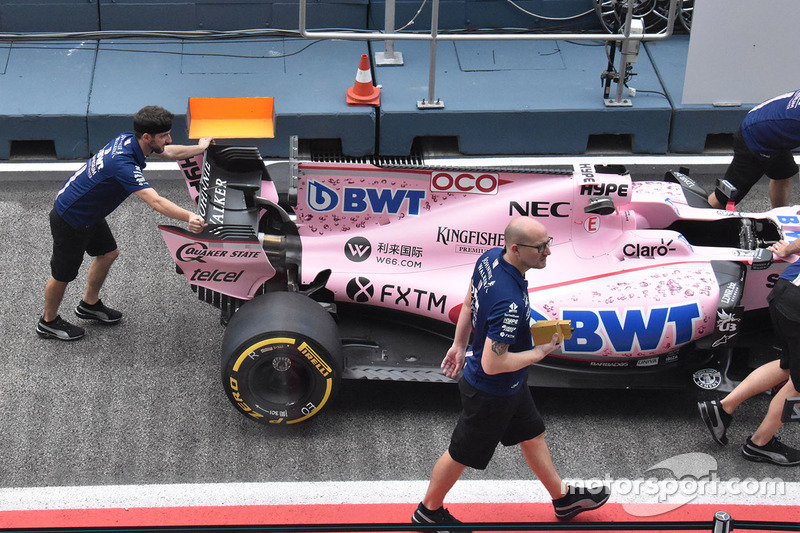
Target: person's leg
pixel 772 421
pixel 763 446
pixel 445 473
pixel 743 172
pixel 98 271
pixel 538 457
pixel 759 380
pixel 780 192
pixel 53 294
pixel 68 249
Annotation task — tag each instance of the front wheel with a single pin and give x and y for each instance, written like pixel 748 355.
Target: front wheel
pixel 281 358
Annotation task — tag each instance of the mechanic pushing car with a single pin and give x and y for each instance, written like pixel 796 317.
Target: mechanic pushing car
pixel 497 406
pixel 763 145
pixel 784 309
pixel 78 225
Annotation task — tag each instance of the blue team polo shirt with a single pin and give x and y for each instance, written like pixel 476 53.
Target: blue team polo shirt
pixel 792 273
pixel 500 311
pixel 103 183
pixel 773 126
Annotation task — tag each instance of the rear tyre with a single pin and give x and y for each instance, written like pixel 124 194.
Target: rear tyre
pixel 281 358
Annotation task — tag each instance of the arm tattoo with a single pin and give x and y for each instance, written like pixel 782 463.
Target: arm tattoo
pixel 499 348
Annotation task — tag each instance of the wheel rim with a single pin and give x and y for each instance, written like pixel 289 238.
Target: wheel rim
pixel 281 380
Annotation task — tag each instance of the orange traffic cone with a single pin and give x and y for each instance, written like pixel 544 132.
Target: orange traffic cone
pixel 364 92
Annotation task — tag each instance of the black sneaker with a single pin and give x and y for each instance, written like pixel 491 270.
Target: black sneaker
pixel 59 329
pixel 439 517
pixel 98 312
pixel 774 452
pixel 716 419
pixel 579 499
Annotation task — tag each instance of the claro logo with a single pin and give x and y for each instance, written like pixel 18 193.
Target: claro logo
pixel 464 182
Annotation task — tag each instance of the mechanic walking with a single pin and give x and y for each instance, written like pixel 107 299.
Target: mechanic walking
pixel 78 225
pixel 784 310
pixel 497 406
pixel 763 145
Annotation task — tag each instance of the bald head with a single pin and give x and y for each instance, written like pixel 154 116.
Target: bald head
pixel 524 230
pixel 523 235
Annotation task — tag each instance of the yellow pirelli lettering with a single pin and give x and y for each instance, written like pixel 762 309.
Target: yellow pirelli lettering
pixel 315 359
pixel 246 353
pixel 328 388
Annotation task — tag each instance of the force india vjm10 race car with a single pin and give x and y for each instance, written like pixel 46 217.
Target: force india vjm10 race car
pixel 326 270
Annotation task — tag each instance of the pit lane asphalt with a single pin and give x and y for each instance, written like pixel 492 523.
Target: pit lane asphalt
pixel 142 403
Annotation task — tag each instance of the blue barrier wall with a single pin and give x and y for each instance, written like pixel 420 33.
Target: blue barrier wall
pixel 92 15
pixel 501 97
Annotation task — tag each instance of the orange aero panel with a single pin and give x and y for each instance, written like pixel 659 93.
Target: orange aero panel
pixel 231 118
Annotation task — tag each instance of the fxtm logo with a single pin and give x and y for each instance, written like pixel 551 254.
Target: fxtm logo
pixel 322 199
pixel 362 290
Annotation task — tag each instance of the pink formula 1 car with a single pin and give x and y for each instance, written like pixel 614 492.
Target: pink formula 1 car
pixel 326 271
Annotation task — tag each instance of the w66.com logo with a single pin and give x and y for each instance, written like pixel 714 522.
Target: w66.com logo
pixel 465 182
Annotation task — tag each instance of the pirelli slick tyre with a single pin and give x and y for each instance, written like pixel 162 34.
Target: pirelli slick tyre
pixel 281 358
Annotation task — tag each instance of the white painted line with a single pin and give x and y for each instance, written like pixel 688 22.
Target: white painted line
pixel 739 492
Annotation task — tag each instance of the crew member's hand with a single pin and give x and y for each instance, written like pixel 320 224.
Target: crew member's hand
pixel 779 248
pixel 453 362
pixel 205 142
pixel 196 223
pixel 545 349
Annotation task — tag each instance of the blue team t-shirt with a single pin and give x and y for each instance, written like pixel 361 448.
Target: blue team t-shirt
pixel 500 312
pixel 773 126
pixel 792 273
pixel 103 183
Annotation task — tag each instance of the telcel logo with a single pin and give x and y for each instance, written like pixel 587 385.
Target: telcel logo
pixel 465 182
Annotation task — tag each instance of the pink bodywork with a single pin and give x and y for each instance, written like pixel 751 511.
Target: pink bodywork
pixel 408 239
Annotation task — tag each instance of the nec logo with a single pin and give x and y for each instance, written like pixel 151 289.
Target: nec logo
pixel 465 182
pixel 364 199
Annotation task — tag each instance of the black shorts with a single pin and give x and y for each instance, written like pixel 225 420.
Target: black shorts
pixel 784 299
pixel 69 245
pixel 746 168
pixel 487 419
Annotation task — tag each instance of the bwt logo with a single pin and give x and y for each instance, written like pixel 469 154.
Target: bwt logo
pixel 628 329
pixel 465 182
pixel 322 198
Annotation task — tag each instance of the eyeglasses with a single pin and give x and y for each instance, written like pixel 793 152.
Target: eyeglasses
pixel 539 247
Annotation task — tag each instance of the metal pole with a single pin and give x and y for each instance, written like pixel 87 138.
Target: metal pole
pixel 623 58
pixel 389 56
pixel 430 103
